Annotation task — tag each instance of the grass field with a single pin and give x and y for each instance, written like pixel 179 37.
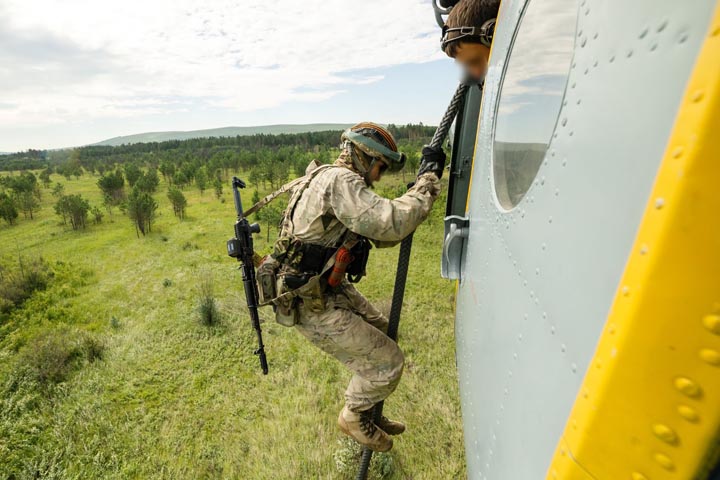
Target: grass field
pixel 171 398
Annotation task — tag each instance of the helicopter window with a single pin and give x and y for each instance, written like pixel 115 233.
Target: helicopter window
pixel 531 96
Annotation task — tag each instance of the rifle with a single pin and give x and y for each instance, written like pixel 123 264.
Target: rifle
pixel 241 247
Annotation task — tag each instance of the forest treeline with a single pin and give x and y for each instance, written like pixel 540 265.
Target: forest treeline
pixel 235 152
pixel 129 175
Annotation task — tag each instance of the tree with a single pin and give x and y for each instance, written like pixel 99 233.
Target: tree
pixel 27 203
pixel 218 188
pixel 26 193
pixel 201 179
pixel 178 201
pixel 8 209
pixel 273 217
pixel 72 166
pixel 113 187
pixel 180 179
pixel 255 177
pixel 45 177
pixel 268 171
pixel 188 171
pixel 148 182
pixel 271 213
pixel 132 173
pixel 141 208
pixel 25 182
pixel 58 190
pixel 282 172
pixel 74 208
pixel 412 163
pixel 167 169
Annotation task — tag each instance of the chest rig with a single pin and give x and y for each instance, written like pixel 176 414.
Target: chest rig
pixel 307 259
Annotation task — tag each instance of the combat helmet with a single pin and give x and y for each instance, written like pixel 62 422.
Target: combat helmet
pixel 377 143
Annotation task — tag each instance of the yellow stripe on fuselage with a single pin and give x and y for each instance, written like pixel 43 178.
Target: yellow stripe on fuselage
pixel 649 405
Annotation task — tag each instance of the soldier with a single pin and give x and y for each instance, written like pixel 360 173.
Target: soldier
pixel 335 208
pixel 468 34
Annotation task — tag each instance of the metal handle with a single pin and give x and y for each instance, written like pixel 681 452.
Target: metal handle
pixel 454 233
pixel 456 227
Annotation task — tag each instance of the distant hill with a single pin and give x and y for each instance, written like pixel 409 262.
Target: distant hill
pixel 221 132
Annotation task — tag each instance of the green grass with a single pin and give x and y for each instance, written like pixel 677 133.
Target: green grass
pixel 172 398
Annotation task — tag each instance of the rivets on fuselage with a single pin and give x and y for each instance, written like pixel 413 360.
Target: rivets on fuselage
pixel 710 356
pixel 664 461
pixel 665 433
pixel 687 387
pixel 688 413
pixel 712 323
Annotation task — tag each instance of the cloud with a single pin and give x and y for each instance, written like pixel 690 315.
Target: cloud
pixel 73 61
pixel 537 73
pixel 541 55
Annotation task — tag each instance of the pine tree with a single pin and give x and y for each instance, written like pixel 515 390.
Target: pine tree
pixel 178 200
pixel 201 180
pixel 8 209
pixel 141 208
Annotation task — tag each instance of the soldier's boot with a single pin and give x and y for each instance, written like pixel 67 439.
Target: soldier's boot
pixel 359 425
pixel 391 427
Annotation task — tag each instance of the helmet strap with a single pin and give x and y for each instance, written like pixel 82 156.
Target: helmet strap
pixel 484 34
pixel 358 159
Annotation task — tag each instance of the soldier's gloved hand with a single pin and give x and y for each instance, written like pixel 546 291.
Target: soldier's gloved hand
pixel 428 183
pixel 433 160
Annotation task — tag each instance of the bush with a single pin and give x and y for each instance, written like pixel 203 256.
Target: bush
pixel 207 308
pixel 190 246
pixel 97 214
pixel 50 358
pixel 18 282
pixel 74 208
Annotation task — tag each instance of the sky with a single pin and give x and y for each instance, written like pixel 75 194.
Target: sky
pixel 75 72
pixel 537 72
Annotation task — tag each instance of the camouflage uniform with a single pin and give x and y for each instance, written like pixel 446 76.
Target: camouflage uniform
pixel 349 327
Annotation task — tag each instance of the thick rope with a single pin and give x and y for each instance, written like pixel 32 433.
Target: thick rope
pixel 404 262
pixel 450 114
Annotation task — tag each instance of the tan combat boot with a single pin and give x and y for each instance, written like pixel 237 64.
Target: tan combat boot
pixel 361 427
pixel 391 427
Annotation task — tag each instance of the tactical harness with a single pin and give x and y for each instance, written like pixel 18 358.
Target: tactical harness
pixel 298 270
